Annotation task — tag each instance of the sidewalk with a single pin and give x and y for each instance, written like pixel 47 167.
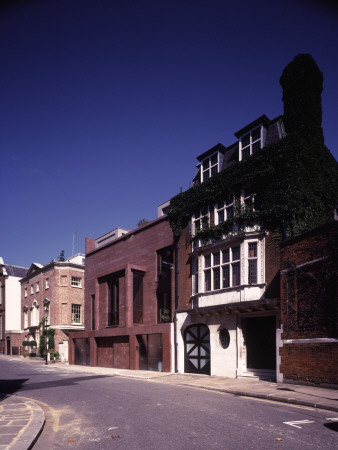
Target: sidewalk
pixel 14 410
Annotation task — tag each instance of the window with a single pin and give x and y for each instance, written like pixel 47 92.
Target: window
pixel 76 313
pixel 225 209
pixel 252 263
pixel 137 297
pixel 35 314
pixel 93 312
pixel 32 289
pixel 47 283
pixel 209 167
pixel 163 290
pixel 25 319
pixel 201 219
pixel 248 198
pixel 37 286
pixel 0 293
pixel 113 300
pixel 224 338
pixel 251 143
pixel 26 292
pixel 225 264
pixel 76 282
pixel 1 327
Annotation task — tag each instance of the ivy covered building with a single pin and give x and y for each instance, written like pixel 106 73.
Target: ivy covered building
pixel 277 181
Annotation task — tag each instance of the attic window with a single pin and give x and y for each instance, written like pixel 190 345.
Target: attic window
pixel 210 166
pixel 251 142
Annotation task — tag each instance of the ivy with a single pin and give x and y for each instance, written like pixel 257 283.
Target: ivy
pixel 295 182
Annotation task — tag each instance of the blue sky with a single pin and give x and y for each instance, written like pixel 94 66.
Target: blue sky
pixel 105 104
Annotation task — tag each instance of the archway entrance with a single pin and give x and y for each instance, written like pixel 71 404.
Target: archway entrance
pixel 197 349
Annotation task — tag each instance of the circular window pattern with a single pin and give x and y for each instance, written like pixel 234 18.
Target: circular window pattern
pixel 224 338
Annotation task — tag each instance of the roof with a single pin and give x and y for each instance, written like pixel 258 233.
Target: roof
pixel 216 148
pixel 262 120
pixel 15 271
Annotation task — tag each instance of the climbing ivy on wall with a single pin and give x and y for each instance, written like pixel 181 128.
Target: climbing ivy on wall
pixel 295 179
pixel 295 184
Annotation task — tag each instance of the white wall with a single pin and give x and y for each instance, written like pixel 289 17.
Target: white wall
pixel 13 304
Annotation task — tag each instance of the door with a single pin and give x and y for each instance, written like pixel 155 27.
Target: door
pixel 197 349
pixel 260 339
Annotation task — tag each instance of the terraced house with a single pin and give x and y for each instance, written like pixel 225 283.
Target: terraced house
pixel 55 293
pixel 276 181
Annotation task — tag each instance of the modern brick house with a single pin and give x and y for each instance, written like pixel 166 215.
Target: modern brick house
pixel 58 290
pixel 309 306
pixel 128 300
pixel 10 307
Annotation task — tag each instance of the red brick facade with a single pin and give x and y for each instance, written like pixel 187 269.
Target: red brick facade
pixel 309 306
pixel 59 286
pixel 129 336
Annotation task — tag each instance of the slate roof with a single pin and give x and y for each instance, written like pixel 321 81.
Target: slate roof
pixel 15 271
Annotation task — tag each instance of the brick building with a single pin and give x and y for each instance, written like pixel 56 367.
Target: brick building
pixel 276 181
pixel 10 306
pixel 128 300
pixel 228 287
pixel 58 290
pixel 309 306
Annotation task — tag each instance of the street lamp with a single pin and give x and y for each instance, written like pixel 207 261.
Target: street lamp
pixel 46 329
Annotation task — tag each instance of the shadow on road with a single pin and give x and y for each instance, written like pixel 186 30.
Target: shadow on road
pixel 12 386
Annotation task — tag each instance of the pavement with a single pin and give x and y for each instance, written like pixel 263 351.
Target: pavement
pixel 22 420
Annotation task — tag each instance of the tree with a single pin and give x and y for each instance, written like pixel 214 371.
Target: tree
pixel 62 256
pixel 142 222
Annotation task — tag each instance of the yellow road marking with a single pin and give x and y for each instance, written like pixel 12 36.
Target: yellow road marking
pixel 56 419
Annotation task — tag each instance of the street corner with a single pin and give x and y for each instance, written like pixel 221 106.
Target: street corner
pixel 21 422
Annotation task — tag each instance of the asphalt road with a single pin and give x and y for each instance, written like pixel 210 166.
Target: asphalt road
pixel 102 412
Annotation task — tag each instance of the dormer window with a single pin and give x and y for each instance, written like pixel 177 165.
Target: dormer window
pixel 251 142
pixel 210 167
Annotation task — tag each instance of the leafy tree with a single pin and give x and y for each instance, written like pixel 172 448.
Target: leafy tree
pixel 142 222
pixel 62 256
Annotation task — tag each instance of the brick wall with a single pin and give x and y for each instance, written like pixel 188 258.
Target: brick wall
pixel 315 363
pixel 309 306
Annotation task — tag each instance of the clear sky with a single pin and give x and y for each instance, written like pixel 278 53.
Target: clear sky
pixel 105 104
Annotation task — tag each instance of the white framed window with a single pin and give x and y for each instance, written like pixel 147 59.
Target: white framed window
pixel 251 142
pixel 201 219
pixel 248 198
pixel 222 269
pixel 76 313
pixel 38 286
pixel 76 282
pixel 32 289
pixel 225 209
pixel 209 167
pixel 47 283
pixel 25 319
pixel 252 262
pixel 35 314
pixel 0 293
pixel 26 293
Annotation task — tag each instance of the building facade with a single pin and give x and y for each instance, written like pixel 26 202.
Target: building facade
pixel 10 308
pixel 309 306
pixel 228 290
pixel 55 293
pixel 128 300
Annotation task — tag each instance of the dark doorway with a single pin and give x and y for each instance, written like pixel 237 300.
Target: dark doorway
pixel 197 349
pixel 150 352
pixel 82 354
pixel 8 342
pixel 260 340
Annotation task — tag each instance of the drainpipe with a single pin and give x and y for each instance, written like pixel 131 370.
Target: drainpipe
pixel 176 303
